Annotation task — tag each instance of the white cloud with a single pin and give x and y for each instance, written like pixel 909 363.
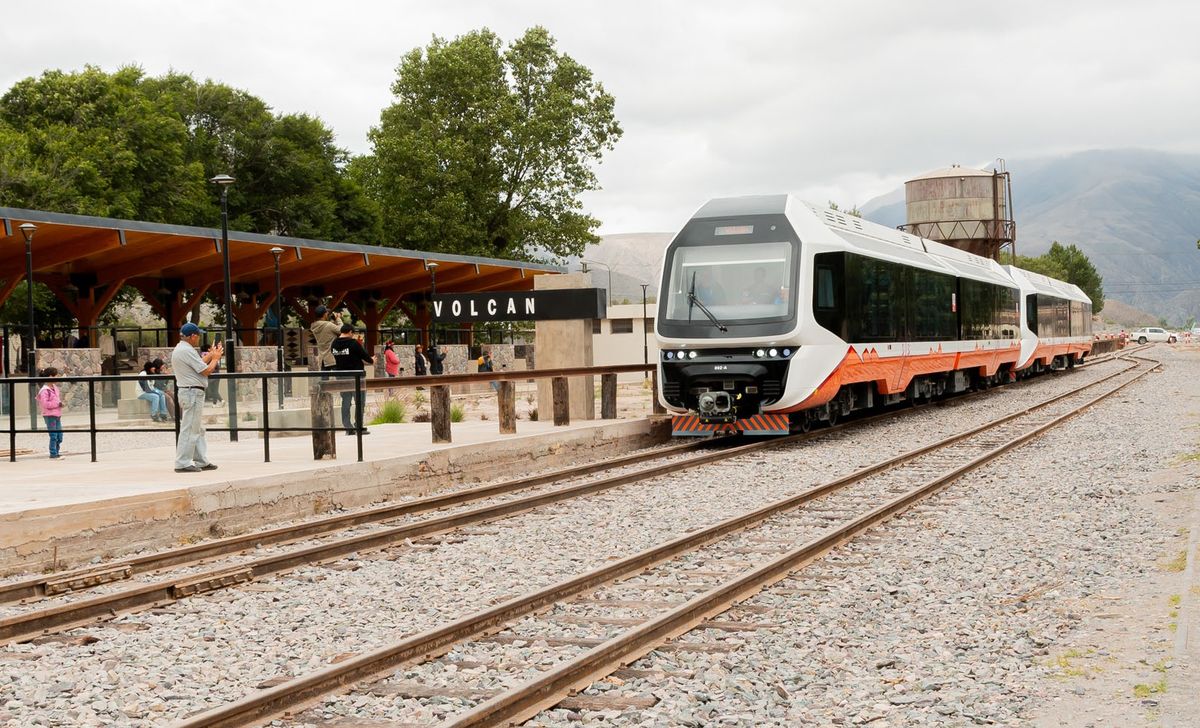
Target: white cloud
pixel 837 102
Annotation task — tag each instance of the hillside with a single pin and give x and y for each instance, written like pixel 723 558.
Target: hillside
pixel 1136 214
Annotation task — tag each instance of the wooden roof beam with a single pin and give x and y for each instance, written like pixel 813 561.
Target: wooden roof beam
pixel 154 261
pixel 62 251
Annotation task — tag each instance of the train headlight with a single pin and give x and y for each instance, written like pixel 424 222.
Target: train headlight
pixel 774 352
pixel 670 355
pixel 680 355
pixel 787 353
pixel 691 355
pixel 760 353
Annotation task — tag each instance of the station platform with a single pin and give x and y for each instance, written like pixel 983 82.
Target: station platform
pixel 61 513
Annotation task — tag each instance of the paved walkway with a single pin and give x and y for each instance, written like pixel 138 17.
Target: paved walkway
pixel 35 481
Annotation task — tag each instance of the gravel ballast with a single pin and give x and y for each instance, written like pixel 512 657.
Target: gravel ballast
pixel 150 668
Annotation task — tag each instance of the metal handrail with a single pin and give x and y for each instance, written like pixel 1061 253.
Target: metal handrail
pixel 11 384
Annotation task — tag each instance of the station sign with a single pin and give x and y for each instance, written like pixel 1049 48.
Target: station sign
pixel 551 305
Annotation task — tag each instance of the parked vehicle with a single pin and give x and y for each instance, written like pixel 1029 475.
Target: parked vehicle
pixel 1152 334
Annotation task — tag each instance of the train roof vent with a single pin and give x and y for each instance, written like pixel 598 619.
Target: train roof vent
pixel 858 224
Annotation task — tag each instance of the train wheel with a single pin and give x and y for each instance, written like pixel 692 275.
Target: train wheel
pixel 802 423
pixel 834 413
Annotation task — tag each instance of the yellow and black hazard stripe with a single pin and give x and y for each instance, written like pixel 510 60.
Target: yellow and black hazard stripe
pixel 691 426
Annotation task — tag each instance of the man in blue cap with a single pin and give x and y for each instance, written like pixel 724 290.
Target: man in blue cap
pixel 191 380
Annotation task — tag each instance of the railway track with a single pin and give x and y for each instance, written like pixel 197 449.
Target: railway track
pixel 232 572
pixel 679 586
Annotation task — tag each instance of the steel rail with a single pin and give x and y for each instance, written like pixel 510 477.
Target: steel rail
pixel 74 614
pixel 546 690
pixel 35 623
pixel 78 579
pixel 301 691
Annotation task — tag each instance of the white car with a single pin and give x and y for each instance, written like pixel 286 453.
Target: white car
pixel 1152 333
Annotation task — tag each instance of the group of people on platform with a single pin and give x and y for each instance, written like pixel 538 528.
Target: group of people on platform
pixel 339 348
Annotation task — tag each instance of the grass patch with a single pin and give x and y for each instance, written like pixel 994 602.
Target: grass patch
pixel 1144 690
pixel 1177 564
pixel 391 412
pixel 1065 667
pixel 457 413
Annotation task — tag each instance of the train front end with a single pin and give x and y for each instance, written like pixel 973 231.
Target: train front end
pixel 727 318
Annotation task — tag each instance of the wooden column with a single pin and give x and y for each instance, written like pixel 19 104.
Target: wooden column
pixel 506 401
pixel 246 318
pixel 562 403
pixel 439 409
pixel 655 406
pixel 608 396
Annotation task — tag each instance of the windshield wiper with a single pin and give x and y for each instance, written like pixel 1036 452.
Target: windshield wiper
pixel 693 301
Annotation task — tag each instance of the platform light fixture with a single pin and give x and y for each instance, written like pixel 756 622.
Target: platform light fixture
pixel 224 181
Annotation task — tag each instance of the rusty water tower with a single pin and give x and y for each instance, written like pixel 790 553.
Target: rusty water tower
pixel 969 209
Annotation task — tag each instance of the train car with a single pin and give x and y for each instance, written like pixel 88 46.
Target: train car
pixel 774 314
pixel 1056 322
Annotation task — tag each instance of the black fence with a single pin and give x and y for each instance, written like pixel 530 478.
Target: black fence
pixel 28 386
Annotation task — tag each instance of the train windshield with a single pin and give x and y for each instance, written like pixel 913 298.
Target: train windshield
pixel 736 283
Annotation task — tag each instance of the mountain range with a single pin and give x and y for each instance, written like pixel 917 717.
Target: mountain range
pixel 1134 212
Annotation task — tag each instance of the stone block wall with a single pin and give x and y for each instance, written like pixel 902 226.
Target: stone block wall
pixel 72 363
pixel 249 359
pixel 458 359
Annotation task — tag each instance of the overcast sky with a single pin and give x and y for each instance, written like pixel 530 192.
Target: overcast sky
pixel 830 101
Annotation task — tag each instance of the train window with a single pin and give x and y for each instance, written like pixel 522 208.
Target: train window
pixel 825 286
pixel 988 311
pixel 932 299
pixel 1031 313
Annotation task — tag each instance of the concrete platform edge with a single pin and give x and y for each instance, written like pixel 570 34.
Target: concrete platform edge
pixel 62 536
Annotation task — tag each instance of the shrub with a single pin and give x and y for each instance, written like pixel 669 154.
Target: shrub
pixel 418 398
pixel 390 412
pixel 456 413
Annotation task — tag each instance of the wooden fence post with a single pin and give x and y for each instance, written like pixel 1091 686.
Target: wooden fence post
pixel 608 396
pixel 439 409
pixel 506 401
pixel 321 411
pixel 655 406
pixel 562 401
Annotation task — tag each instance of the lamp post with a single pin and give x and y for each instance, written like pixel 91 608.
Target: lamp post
pixel 432 292
pixel 583 268
pixel 224 180
pixel 278 323
pixel 27 231
pixel 645 341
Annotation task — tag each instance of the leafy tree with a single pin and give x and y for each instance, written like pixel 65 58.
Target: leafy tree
pixel 127 146
pixel 486 150
pixel 853 211
pixel 1068 263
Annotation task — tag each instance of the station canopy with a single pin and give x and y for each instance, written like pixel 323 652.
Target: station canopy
pixel 86 260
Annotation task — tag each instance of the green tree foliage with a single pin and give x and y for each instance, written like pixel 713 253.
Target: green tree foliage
pixel 853 211
pixel 486 150
pixel 1068 263
pixel 127 146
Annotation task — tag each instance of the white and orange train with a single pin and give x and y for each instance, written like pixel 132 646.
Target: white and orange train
pixel 774 313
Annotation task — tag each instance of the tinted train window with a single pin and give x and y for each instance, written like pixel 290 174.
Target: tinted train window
pixel 987 310
pixel 875 299
pixel 932 296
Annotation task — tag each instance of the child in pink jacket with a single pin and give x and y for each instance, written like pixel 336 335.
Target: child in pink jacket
pixel 49 401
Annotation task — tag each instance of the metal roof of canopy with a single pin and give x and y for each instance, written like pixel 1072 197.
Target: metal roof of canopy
pixel 97 252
